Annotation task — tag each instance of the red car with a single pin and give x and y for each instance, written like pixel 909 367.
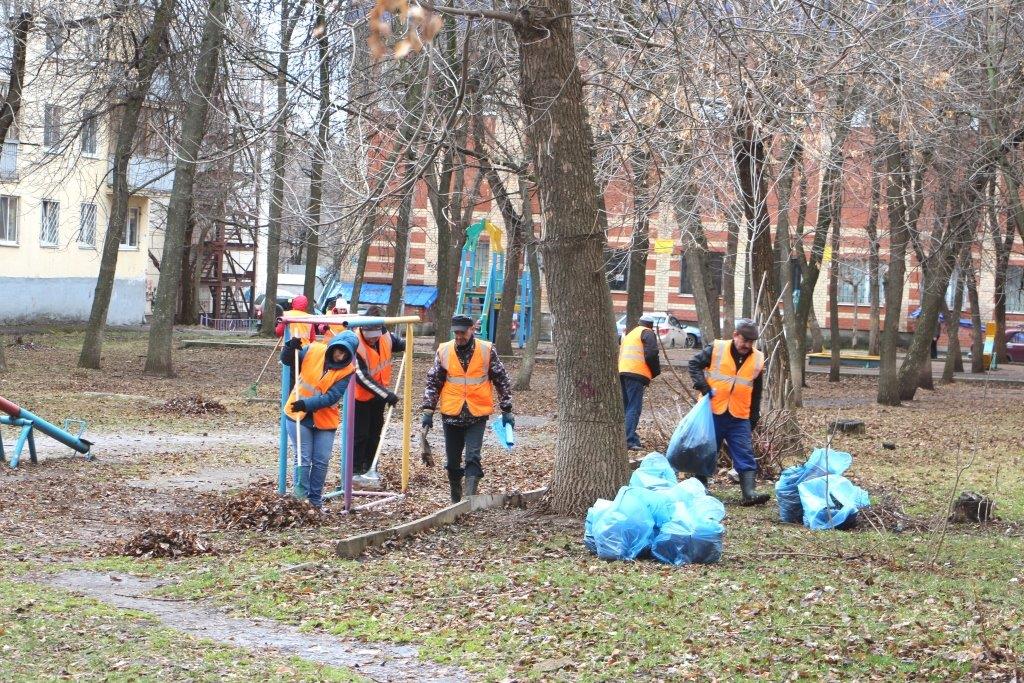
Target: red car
pixel 1015 345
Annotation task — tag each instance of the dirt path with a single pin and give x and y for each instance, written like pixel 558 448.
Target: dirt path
pixel 374 661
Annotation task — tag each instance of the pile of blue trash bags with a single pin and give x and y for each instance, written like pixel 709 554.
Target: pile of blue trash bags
pixel 817 494
pixel 673 521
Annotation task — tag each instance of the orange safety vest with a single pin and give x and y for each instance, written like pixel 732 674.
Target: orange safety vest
pixel 300 330
pixel 631 354
pixel 315 381
pixel 734 388
pixel 333 330
pixel 378 363
pixel 471 386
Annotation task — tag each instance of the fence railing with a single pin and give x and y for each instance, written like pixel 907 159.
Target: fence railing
pixel 229 324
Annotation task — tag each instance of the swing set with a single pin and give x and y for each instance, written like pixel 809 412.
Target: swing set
pixel 346 430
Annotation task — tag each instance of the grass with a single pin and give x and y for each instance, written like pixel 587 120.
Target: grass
pixel 49 634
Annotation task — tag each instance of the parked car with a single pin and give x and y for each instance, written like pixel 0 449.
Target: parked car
pixel 1015 345
pixel 673 332
pixel 284 303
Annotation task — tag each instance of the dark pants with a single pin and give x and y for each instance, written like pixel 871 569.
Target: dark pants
pixel 369 423
pixel 470 438
pixel 633 399
pixel 736 432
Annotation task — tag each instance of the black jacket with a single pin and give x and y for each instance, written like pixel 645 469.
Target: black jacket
pixel 702 361
pixel 651 356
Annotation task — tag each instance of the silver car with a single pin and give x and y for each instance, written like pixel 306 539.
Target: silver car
pixel 672 331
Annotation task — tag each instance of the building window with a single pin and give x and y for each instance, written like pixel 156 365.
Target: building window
pixel 87 225
pixel 1015 289
pixel 717 262
pixel 49 231
pixel 8 219
pixel 616 268
pixel 130 236
pixel 51 125
pixel 90 131
pixel 855 283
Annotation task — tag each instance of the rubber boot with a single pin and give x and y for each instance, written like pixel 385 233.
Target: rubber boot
pixel 455 484
pixel 301 488
pixel 471 484
pixel 750 495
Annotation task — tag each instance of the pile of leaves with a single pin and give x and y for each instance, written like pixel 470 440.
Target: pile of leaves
pixel 169 543
pixel 21 343
pixel 193 405
pixel 260 507
pixel 886 514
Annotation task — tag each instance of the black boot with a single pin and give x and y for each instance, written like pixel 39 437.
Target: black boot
pixel 750 495
pixel 471 484
pixel 702 479
pixel 455 483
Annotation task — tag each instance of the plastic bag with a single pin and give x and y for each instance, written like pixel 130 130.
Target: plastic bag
pixel 624 530
pixel 693 535
pixel 822 461
pixel 693 447
pixel 595 511
pixel 831 502
pixel 654 472
pixel 685 491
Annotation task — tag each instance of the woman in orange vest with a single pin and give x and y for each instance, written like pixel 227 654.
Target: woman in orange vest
pixel 303 331
pixel 460 382
pixel 638 365
pixel 322 376
pixel 730 371
pixel 377 347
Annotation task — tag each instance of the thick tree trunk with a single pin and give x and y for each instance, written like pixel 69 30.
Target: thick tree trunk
pixel 590 458
pixel 874 262
pixel 150 57
pixel 158 357
pixel 732 242
pixel 899 234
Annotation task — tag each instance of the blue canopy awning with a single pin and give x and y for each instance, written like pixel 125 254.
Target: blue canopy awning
pixel 964 322
pixel 422 296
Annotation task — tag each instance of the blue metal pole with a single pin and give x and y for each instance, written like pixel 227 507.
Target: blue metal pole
pixel 54 432
pixel 282 439
pixel 348 434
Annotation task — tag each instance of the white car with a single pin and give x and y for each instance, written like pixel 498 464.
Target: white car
pixel 673 333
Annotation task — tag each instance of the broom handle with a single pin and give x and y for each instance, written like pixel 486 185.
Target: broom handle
pixel 387 418
pixel 298 426
pixel 272 354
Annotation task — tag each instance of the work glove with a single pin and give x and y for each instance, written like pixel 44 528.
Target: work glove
pixel 427 421
pixel 507 419
pixel 295 343
pixel 705 389
pixel 391 399
pixel 298 406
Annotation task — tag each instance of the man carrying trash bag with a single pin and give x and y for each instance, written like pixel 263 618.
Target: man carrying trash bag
pixel 730 371
pixel 460 384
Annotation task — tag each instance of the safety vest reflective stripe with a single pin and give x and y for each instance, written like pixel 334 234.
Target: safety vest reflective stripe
pixel 467 380
pixel 632 359
pixel 470 387
pixel 733 386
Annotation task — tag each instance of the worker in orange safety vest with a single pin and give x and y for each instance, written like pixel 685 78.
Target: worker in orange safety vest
pixel 638 365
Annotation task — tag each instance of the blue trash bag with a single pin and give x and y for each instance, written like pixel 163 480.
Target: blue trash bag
pixel 595 511
pixel 623 531
pixel 822 461
pixel 693 535
pixel 658 503
pixel 693 447
pixel 685 491
pixel 831 502
pixel 654 472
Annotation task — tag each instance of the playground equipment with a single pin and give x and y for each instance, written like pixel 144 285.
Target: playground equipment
pixel 347 433
pixel 481 284
pixel 16 416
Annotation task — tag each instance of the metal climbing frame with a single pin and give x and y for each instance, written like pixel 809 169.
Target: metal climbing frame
pixel 347 433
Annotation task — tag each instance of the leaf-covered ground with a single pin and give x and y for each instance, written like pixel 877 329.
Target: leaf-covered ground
pixel 506 594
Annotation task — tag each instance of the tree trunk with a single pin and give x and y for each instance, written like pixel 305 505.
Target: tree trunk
pixel 874 264
pixel 977 331
pixel 698 265
pixel 640 240
pixel 814 328
pixel 590 458
pixel 191 261
pixel 316 176
pixel 400 270
pixel 833 295
pixel 899 233
pixel 792 156
pixel 530 352
pixel 158 357
pixel 729 277
pixel 953 357
pixel 150 56
pixel 1003 249
pixel 3 358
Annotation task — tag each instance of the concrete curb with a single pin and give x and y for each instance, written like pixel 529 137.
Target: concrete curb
pixel 352 547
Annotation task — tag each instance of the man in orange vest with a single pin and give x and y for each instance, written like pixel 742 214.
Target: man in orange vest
pixel 460 383
pixel 638 365
pixel 730 371
pixel 376 349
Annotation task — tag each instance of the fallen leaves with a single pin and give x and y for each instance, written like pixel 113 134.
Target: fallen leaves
pixel 260 507
pixel 193 405
pixel 169 543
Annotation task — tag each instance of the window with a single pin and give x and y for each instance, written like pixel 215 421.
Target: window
pixel 616 268
pixel 8 219
pixel 130 236
pixel 855 285
pixel 87 225
pixel 51 125
pixel 90 130
pixel 716 260
pixel 1015 289
pixel 56 35
pixel 49 231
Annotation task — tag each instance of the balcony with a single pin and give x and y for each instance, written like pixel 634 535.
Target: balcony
pixel 145 174
pixel 9 161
